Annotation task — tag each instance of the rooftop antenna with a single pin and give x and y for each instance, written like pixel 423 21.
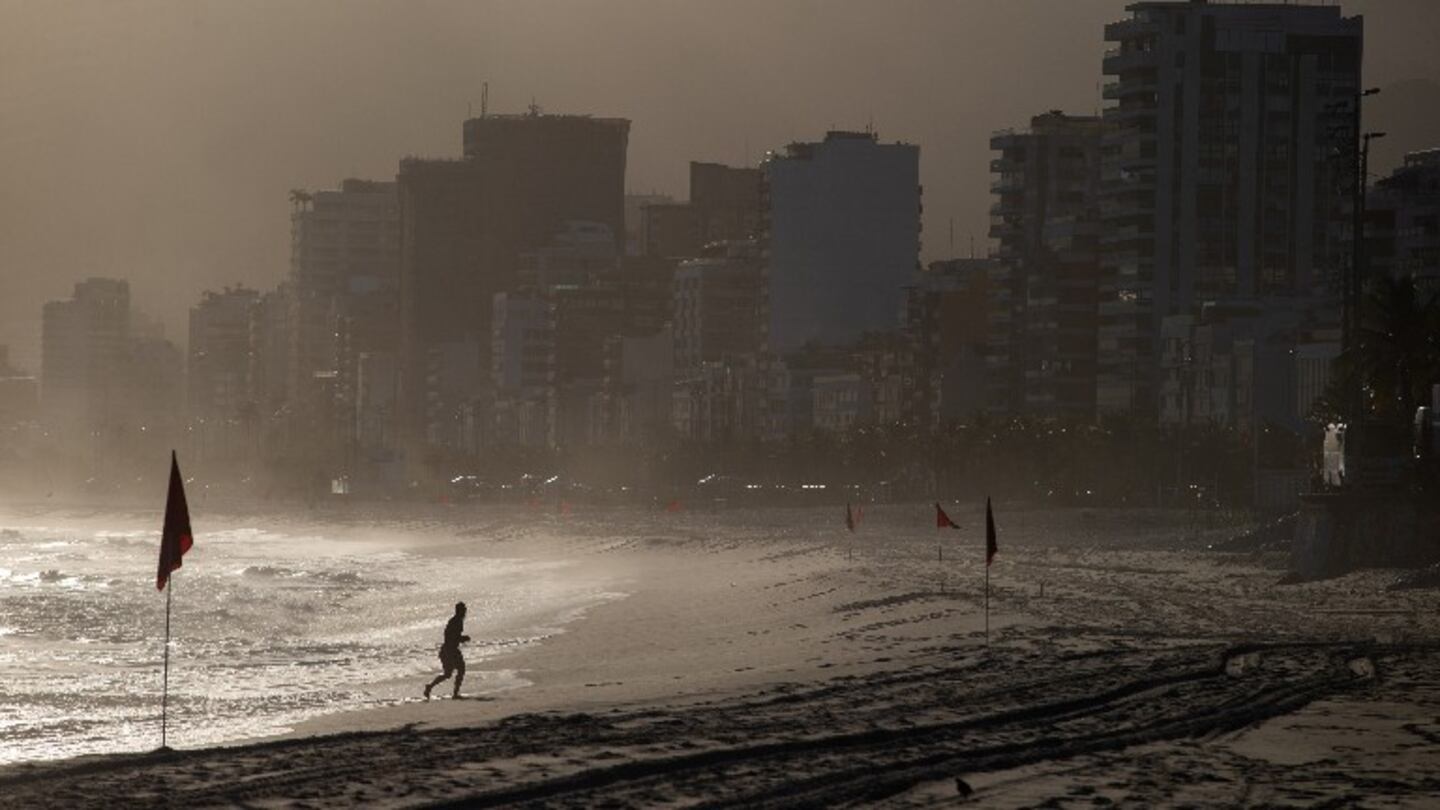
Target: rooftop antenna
pixel 484 98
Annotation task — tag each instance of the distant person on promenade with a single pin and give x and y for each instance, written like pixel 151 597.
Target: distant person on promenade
pixel 450 658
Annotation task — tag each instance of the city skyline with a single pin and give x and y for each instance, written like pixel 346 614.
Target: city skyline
pixel 817 403
pixel 209 209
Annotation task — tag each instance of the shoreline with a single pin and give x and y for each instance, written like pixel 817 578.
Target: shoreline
pixel 732 618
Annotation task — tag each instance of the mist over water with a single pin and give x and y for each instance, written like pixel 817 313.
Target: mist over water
pixel 269 629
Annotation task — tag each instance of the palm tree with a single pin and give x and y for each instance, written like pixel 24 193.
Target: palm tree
pixel 1400 346
pixel 1397 360
pixel 299 198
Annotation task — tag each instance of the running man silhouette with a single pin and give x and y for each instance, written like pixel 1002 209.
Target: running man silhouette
pixel 450 657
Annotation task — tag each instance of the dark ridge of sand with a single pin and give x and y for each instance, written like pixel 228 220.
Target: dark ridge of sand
pixel 896 736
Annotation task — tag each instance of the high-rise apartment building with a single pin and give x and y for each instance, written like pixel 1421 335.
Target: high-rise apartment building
pixel 727 199
pixel 724 205
pixel 465 225
pixel 346 240
pixel 947 335
pixel 841 231
pixel 221 400
pixel 520 367
pixel 635 205
pixel 632 303
pixel 84 350
pixel 716 316
pixel 544 170
pixel 343 299
pixel 1402 228
pixel 111 386
pixel 1228 157
pixel 1045 221
pixel 19 393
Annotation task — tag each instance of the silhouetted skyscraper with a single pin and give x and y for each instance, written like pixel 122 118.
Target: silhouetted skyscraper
pixel 724 205
pixel 221 400
pixel 1221 173
pixel 1046 222
pixel 842 231
pixel 19 393
pixel 342 299
pixel 1403 222
pixel 465 224
pixel 84 348
pixel 717 307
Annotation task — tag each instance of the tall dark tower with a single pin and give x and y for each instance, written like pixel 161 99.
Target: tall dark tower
pixel 464 225
pixel 1219 182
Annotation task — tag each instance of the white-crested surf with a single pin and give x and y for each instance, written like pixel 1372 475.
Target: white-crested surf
pixel 269 629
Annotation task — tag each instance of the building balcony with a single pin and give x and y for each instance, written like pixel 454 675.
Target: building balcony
pixel 1132 28
pixel 1127 138
pixel 1122 210
pixel 1127 233
pixel 1132 113
pixel 1117 61
pixel 1002 139
pixel 1005 208
pixel 1008 184
pixel 1118 254
pixel 1122 182
pixel 1114 91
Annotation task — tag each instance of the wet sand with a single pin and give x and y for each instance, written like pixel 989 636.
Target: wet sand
pixel 766 658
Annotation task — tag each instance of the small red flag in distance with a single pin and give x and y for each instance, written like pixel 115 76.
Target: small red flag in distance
pixel 942 520
pixel 990 546
pixel 175 537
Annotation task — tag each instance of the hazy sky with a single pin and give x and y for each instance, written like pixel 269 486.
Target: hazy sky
pixel 157 141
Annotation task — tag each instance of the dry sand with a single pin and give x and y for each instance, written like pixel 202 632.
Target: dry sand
pixel 764 659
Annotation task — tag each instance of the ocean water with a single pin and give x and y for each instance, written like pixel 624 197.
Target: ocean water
pixel 268 628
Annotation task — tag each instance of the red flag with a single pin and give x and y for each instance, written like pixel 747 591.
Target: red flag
pixel 990 545
pixel 175 538
pixel 942 520
pixel 849 518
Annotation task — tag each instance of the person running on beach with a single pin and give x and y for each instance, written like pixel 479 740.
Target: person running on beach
pixel 450 657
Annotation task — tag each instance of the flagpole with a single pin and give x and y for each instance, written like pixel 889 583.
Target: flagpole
pixel 987 602
pixel 165 679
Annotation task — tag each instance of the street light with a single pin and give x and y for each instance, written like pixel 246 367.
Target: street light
pixel 1355 289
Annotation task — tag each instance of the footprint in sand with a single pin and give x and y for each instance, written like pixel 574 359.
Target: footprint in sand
pixel 1238 665
pixel 1362 667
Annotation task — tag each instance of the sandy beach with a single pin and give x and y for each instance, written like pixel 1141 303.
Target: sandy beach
pixel 767 658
